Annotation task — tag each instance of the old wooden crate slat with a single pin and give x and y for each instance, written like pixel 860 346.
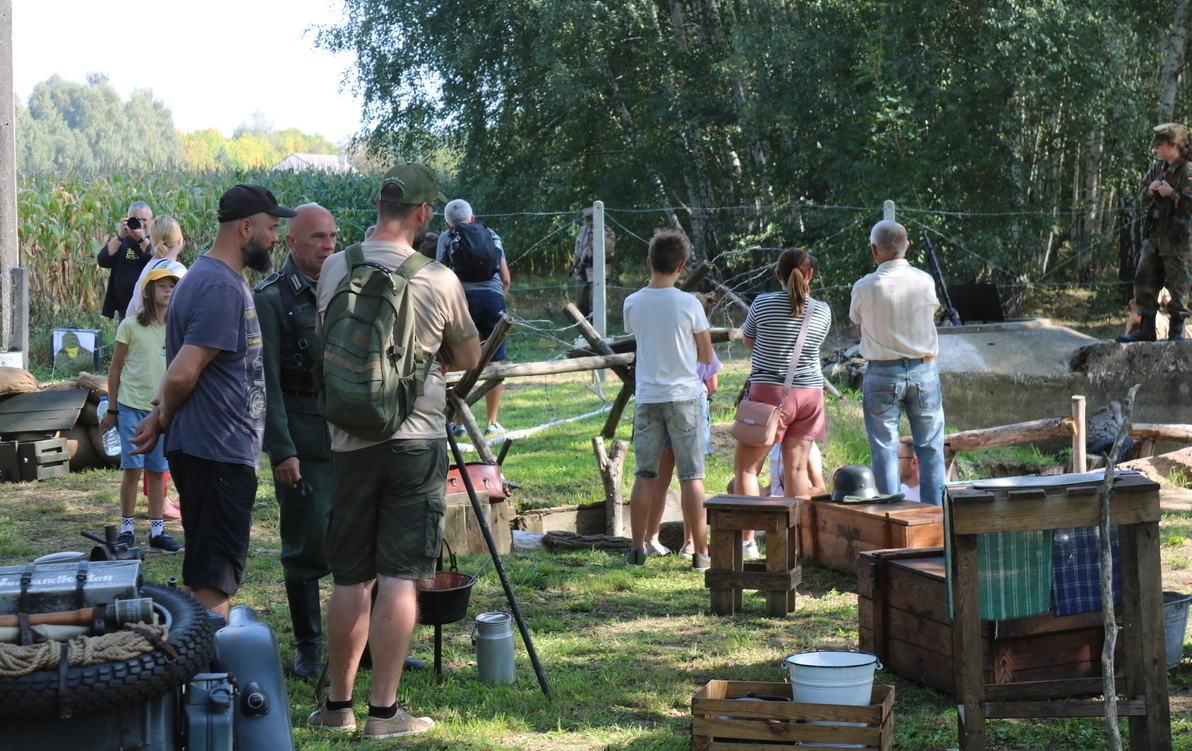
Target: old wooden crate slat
pixel 833 535
pixel 41 411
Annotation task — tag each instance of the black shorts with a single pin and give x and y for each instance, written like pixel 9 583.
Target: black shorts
pixel 216 499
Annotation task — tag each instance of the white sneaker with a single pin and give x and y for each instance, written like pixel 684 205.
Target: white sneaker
pixel 687 549
pixel 749 550
pixel 653 547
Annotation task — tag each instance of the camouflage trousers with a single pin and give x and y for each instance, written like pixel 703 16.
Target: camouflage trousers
pixel 1156 270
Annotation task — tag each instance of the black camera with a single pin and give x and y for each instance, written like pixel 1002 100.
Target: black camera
pixel 134 222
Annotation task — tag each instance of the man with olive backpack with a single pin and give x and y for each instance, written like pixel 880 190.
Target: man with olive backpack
pixel 388 463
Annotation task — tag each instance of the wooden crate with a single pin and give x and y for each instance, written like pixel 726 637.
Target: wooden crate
pixel 462 531
pixel 24 461
pixel 721 724
pixel 833 535
pixel 904 621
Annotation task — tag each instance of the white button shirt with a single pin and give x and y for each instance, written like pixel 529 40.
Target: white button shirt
pixel 895 307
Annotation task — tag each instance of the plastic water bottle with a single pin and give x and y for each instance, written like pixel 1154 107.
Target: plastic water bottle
pixel 111 436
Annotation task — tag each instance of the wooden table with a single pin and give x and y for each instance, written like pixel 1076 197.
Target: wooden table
pixel 728 517
pixel 1135 509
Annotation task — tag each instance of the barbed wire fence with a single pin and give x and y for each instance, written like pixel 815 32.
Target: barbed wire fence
pixel 539 243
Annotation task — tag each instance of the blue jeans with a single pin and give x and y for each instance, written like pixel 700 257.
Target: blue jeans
pixel 892 387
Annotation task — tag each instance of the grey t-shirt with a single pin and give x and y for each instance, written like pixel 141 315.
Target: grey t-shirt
pixel 493 284
pixel 224 418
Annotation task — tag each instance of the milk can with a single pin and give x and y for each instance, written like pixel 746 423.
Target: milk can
pixel 493 637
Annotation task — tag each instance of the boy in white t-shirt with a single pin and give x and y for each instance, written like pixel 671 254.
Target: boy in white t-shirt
pixel 672 335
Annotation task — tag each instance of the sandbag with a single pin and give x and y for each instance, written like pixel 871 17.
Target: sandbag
pixel 89 415
pixel 69 385
pixel 97 385
pixel 16 381
pixel 81 450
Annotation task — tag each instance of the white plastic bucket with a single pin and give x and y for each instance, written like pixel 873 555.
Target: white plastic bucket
pixel 832 678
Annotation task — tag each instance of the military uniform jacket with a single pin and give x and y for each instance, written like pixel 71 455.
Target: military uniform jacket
pixel 1168 218
pixel 293 425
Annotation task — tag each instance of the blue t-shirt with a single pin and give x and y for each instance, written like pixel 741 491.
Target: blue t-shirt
pixel 224 418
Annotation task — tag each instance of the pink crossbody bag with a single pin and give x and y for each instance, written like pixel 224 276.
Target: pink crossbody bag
pixel 756 423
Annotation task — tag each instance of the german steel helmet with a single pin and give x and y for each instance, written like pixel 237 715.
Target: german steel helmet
pixel 854 480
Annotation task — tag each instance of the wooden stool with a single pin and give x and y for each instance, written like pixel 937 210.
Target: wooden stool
pixel 728 517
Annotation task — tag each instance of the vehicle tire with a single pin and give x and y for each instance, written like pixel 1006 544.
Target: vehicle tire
pixel 98 687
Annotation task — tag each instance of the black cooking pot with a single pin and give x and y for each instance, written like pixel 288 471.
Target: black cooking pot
pixel 445 600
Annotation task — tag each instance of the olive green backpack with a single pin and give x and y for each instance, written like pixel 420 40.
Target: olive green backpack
pixel 373 367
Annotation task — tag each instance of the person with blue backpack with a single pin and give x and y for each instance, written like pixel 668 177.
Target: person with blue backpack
pixel 476 255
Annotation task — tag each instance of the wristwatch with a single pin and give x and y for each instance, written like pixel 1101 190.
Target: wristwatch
pixel 113 411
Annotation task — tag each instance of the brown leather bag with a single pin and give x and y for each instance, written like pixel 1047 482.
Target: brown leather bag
pixel 486 479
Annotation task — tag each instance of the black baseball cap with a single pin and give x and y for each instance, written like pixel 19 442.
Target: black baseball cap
pixel 242 201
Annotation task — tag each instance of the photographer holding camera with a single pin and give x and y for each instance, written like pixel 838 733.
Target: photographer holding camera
pixel 126 254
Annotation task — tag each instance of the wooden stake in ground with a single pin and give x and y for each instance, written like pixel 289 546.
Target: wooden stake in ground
pixel 611 465
pixel 1108 616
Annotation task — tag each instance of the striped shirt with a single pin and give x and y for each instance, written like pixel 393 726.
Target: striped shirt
pixel 895 307
pixel 774 332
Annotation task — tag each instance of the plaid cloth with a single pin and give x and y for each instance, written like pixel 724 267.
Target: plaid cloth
pixel 1013 574
pixel 1076 570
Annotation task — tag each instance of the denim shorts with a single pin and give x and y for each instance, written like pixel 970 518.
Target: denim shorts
pixel 486 308
pixel 388 504
pixel 707 428
pixel 126 424
pixel 681 422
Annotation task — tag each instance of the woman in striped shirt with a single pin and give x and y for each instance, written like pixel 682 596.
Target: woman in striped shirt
pixel 770 330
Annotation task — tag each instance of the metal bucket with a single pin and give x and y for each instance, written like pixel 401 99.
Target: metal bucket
pixel 445 598
pixel 1175 621
pixel 832 678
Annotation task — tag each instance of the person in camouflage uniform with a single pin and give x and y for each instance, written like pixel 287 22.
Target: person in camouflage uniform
pixel 296 437
pixel 1167 248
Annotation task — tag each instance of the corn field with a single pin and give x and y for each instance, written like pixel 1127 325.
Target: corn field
pixel 63 219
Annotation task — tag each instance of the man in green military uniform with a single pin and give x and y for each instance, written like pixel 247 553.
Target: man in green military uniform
pixel 296 437
pixel 1167 248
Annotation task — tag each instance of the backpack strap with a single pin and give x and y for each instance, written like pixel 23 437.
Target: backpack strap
pixel 412 265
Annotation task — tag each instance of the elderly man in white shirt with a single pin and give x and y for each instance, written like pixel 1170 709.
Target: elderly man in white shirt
pixel 894 308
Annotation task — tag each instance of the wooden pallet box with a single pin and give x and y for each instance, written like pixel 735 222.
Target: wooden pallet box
pixel 723 724
pixel 462 532
pixel 25 461
pixel 904 621
pixel 834 535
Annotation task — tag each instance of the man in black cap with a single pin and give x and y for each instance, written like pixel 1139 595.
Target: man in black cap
pixel 212 401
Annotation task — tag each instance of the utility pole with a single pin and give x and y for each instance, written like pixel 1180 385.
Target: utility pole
pixel 14 298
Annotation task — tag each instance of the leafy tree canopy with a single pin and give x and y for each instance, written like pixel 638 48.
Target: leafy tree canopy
pixel 743 113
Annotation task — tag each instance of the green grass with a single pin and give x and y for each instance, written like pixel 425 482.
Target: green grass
pixel 624 649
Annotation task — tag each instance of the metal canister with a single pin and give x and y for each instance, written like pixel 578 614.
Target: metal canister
pixel 493 637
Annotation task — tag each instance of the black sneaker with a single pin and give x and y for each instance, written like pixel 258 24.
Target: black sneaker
pixel 700 562
pixel 126 538
pixel 163 543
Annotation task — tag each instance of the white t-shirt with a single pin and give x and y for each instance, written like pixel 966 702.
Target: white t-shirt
pixel 665 322
pixel 912 494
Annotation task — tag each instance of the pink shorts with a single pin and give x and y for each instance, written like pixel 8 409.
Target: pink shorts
pixel 802 413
